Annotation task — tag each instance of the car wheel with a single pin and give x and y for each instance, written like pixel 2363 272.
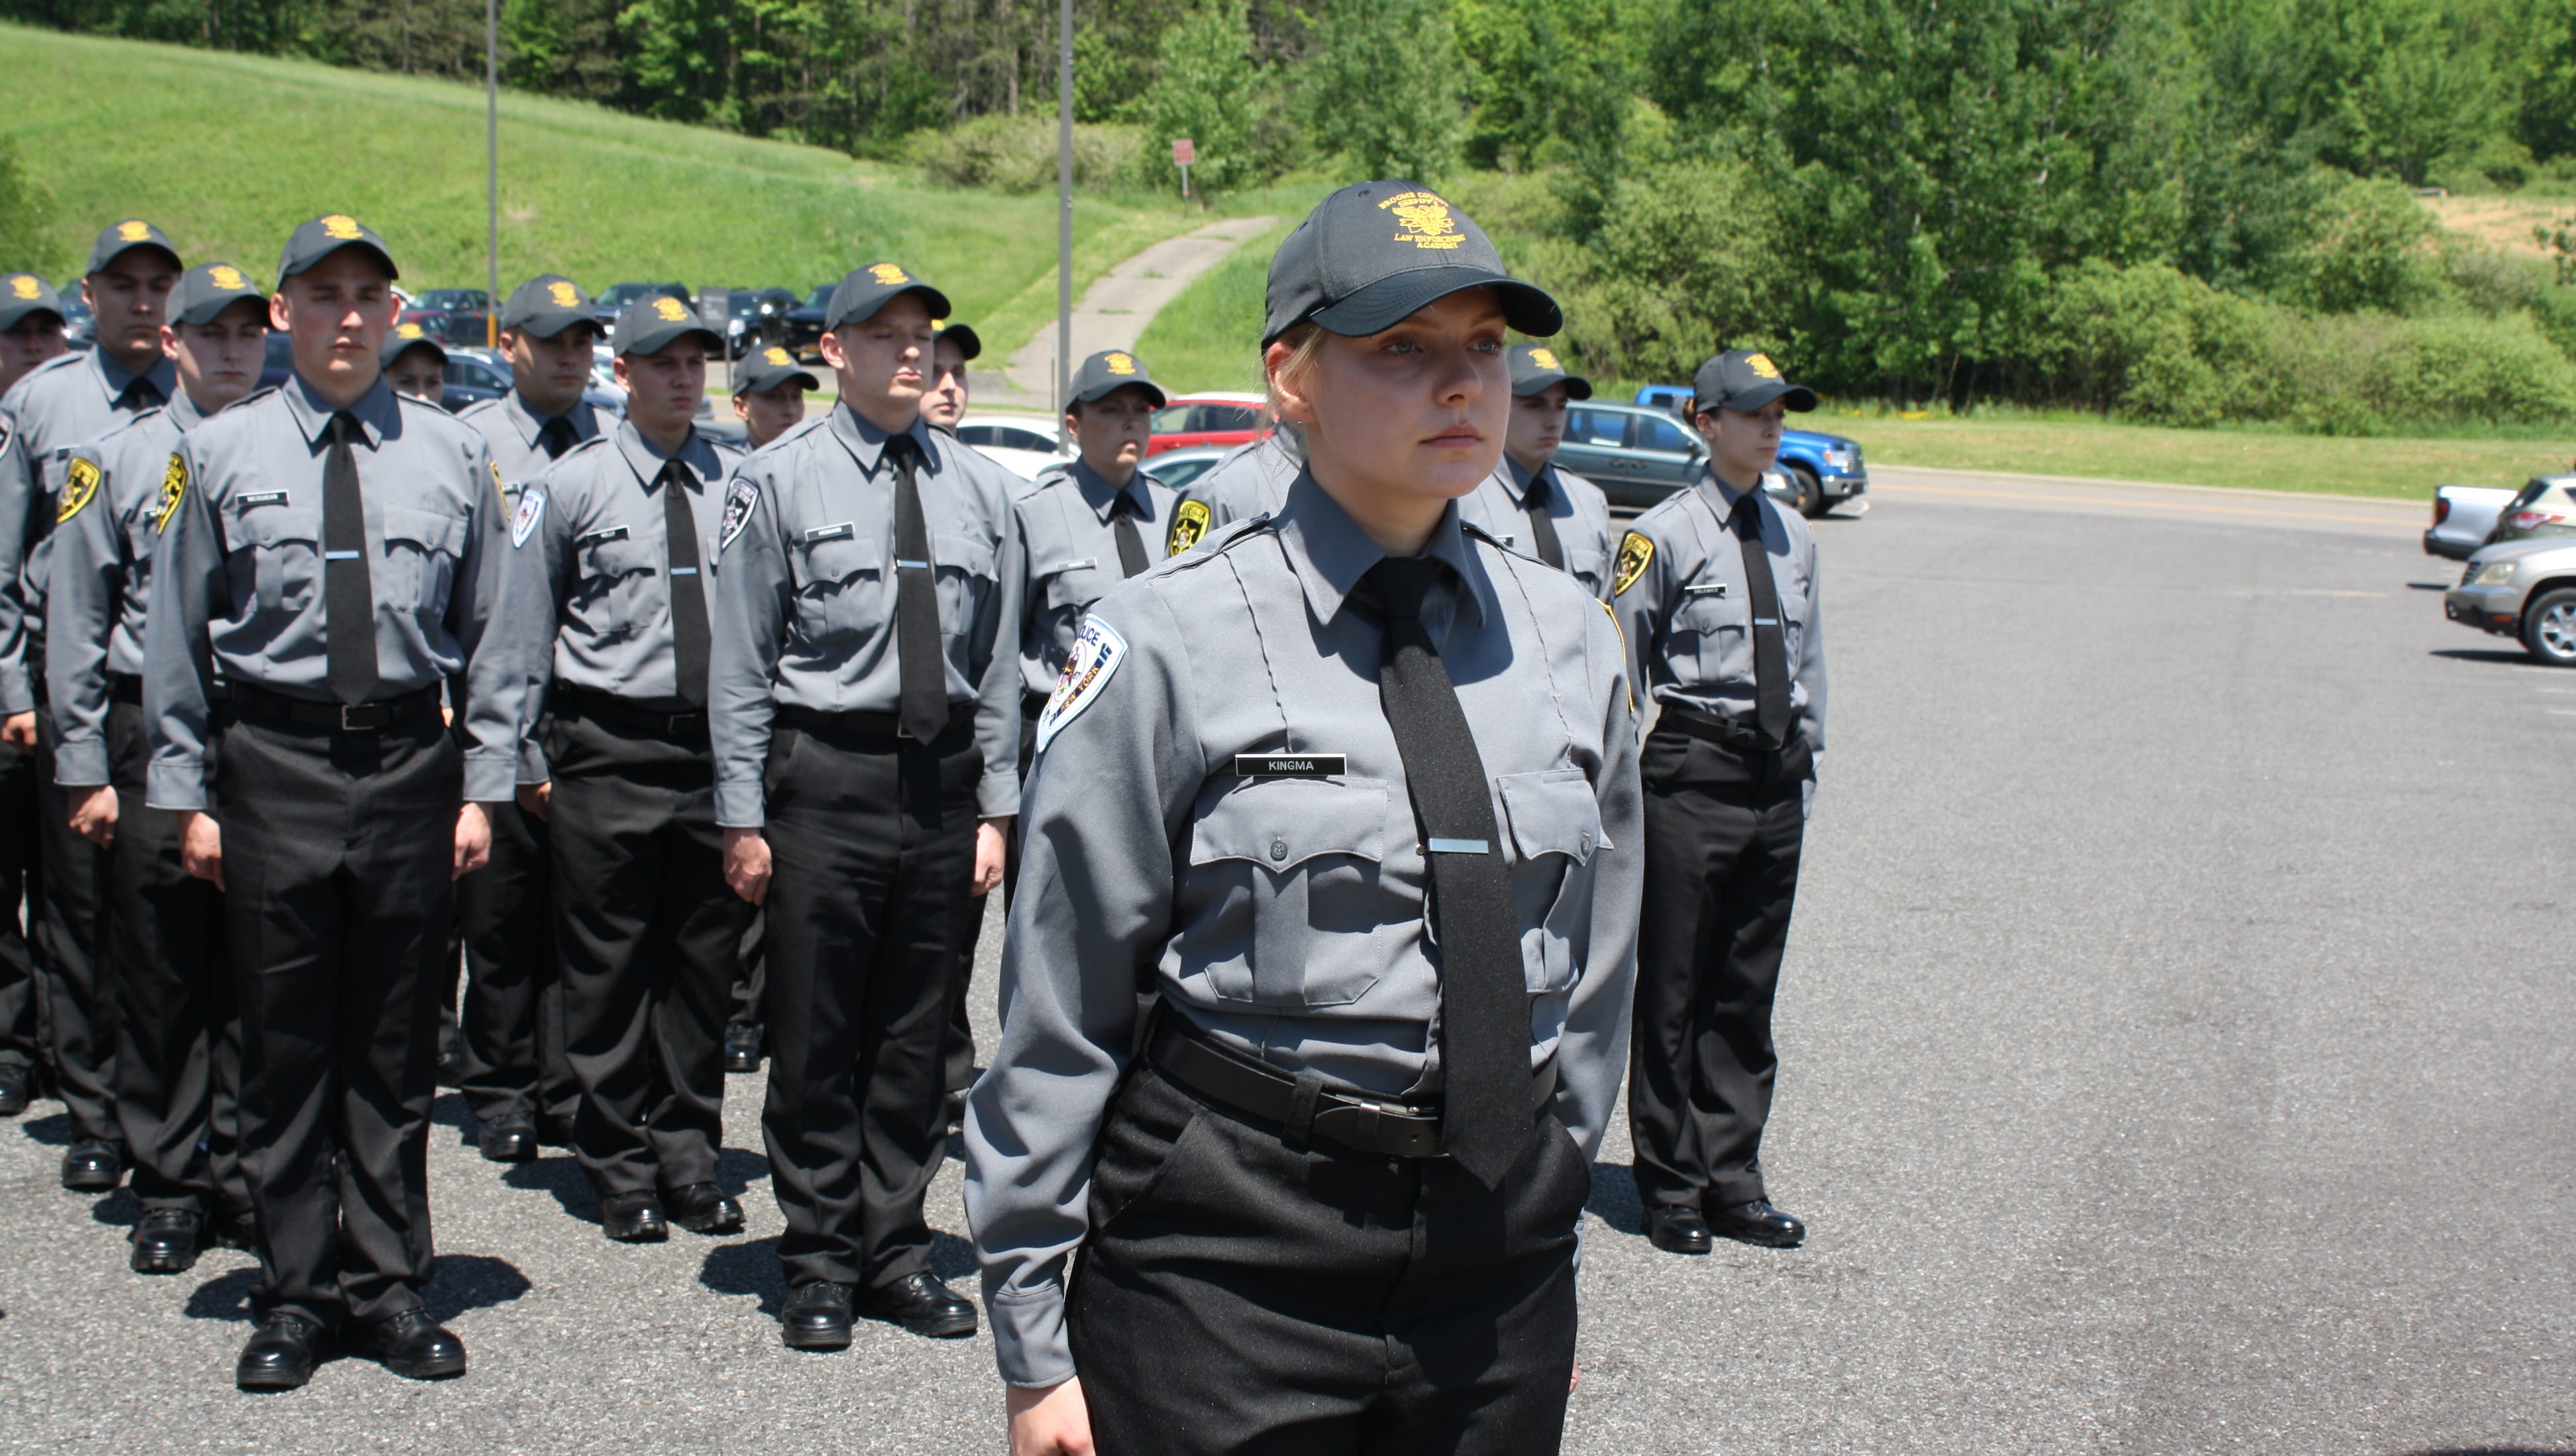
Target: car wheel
pixel 2549 628
pixel 1811 493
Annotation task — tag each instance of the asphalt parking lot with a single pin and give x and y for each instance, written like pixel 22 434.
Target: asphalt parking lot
pixel 2176 1058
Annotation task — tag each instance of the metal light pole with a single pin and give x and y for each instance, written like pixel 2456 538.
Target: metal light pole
pixel 492 174
pixel 1064 217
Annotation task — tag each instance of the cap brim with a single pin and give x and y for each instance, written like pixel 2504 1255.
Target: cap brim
pixel 10 319
pixel 936 301
pixel 1576 386
pixel 1101 392
pixel 381 256
pixel 1391 300
pixel 655 343
pixel 1795 397
pixel 765 385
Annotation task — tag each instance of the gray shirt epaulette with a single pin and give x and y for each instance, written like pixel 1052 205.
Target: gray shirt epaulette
pixel 512 429
pixel 1283 916
pixel 1678 589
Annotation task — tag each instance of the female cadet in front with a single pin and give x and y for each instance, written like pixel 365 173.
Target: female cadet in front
pixel 1355 790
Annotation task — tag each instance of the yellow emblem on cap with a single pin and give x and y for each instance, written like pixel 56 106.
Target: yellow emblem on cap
pixel 1425 220
pixel 1635 552
pixel 563 294
pixel 670 309
pixel 1545 359
pixel 888 274
pixel 336 226
pixel 1761 364
pixel 409 331
pixel 1119 364
pixel 174 488
pixel 227 276
pixel 26 286
pixel 133 232
pixel 777 355
pixel 1189 523
pixel 80 485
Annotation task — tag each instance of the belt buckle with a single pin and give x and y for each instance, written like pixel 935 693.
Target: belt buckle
pixel 681 725
pixel 902 729
pixel 353 717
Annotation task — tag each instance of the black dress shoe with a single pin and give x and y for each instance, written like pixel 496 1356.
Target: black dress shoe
pixel 451 1068
pixel 281 1353
pixel 634 1218
pixel 702 1208
pixel 13 1091
pixel 817 1317
pixel 1677 1229
pixel 509 1143
pixel 167 1241
pixel 233 1232
pixel 555 1132
pixel 92 1167
pixel 742 1048
pixel 1758 1223
pixel 922 1305
pixel 412 1345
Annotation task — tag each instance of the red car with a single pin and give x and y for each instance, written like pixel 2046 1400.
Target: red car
pixel 1209 419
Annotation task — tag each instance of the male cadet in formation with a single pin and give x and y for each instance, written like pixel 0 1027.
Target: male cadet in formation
pixel 943 403
pixel 416 364
pixel 334 552
pixel 1527 503
pixel 1716 589
pixel 615 540
pixel 516 1081
pixel 943 398
pixel 178 1053
pixel 866 702
pixel 77 397
pixel 31 332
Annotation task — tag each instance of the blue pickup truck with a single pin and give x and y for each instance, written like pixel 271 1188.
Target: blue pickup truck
pixel 1822 471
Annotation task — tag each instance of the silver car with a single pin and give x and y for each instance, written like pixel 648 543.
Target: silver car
pixel 2525 590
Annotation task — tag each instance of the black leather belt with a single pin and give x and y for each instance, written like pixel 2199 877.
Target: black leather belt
pixel 125 687
pixel 626 713
pixel 874 725
pixel 1032 704
pixel 1724 732
pixel 1385 1129
pixel 259 705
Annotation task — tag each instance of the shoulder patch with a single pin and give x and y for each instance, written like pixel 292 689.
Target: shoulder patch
pixel 1097 651
pixel 80 487
pixel 1635 551
pixel 532 509
pixel 740 496
pixel 1189 523
pixel 174 488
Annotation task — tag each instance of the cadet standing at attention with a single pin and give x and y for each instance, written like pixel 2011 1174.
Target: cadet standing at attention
pixel 615 541
pixel 866 704
pixel 334 551
pixel 31 326
pixel 769 394
pixel 1716 589
pixel 952 348
pixel 178 1057
pixel 1535 508
pixel 1355 789
pixel 516 1079
pixel 31 332
pixel 77 397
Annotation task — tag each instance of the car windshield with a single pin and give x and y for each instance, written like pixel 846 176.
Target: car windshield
pixel 820 296
pixel 1600 428
pixel 1658 433
pixel 1172 419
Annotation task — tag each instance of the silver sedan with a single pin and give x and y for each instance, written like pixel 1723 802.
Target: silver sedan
pixel 2525 590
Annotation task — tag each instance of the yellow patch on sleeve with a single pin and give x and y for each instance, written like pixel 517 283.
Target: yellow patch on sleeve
pixel 1189 523
pixel 496 482
pixel 1635 552
pixel 174 488
pixel 80 487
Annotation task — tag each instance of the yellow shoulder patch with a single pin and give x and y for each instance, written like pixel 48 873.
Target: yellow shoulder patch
pixel 1635 551
pixel 1189 524
pixel 174 488
pixel 80 487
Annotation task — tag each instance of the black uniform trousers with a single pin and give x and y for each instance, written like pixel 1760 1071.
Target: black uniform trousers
pixel 1238 1295
pixel 20 884
pixel 649 935
pixel 872 847
pixel 178 1048
pixel 337 854
pixel 960 1056
pixel 77 982
pixel 512 1013
pixel 1723 833
pixel 750 977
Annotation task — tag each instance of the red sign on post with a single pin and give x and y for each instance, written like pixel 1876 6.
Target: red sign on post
pixel 1184 152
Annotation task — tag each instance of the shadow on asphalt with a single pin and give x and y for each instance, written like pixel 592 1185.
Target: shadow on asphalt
pixel 117 1210
pixel 1614 1198
pixel 53 1132
pixel 462 1282
pixel 2492 1451
pixel 2428 586
pixel 2484 654
pixel 750 1268
pixel 561 1176
pixel 738 1168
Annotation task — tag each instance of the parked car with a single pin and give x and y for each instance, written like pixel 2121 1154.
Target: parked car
pixel 1179 468
pixel 1209 419
pixel 450 315
pixel 1025 445
pixel 80 324
pixel 609 303
pixel 2464 516
pixel 1823 470
pixel 2525 590
pixel 755 317
pixel 803 335
pixel 2544 507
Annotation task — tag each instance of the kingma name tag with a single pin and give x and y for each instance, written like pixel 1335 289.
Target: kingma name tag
pixel 1291 765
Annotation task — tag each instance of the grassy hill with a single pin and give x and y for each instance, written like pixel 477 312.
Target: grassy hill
pixel 228 152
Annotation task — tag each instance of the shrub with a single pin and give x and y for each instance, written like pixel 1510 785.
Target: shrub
pixel 1018 153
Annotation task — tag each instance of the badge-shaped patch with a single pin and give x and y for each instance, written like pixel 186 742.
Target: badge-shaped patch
pixel 739 499
pixel 1635 552
pixel 80 487
pixel 174 488
pixel 532 509
pixel 1189 526
pixel 1097 651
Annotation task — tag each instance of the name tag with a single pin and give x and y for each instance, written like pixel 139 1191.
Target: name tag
pixel 1458 846
pixel 1291 765
pixel 841 532
pixel 684 571
pixel 595 538
pixel 1708 589
pixel 1080 564
pixel 264 498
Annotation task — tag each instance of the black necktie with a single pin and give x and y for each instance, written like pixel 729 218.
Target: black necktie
pixel 140 394
pixel 555 437
pixel 348 599
pixel 688 587
pixel 1542 525
pixel 918 653
pixel 1770 649
pixel 1484 998
pixel 1122 523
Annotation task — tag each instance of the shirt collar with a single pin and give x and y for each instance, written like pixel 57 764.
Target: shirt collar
pixel 1721 497
pixel 1520 479
pixel 113 377
pixel 1330 553
pixel 184 413
pixel 1101 495
pixel 376 410
pixel 583 419
pixel 695 456
pixel 866 442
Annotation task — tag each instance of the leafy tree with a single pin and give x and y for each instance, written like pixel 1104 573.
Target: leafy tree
pixel 1206 88
pixel 1385 88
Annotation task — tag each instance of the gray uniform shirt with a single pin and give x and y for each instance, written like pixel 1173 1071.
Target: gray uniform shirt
pixel 1689 621
pixel 805 597
pixel 99 589
pixel 598 550
pixel 59 404
pixel 1072 545
pixel 512 428
pixel 1284 916
pixel 1578 509
pixel 1253 481
pixel 239 584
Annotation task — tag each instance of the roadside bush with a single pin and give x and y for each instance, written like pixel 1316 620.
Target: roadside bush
pixel 1018 153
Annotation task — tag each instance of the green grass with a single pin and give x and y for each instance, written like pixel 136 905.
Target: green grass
pixel 228 152
pixel 1209 337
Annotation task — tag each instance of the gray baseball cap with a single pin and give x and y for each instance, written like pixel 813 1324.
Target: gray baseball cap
pixel 1109 371
pixel 208 289
pixel 1535 367
pixel 870 288
pixel 125 236
pixel 1368 256
pixel 546 305
pixel 765 369
pixel 401 339
pixel 1742 379
pixel 651 323
pixel 968 342
pixel 24 293
pixel 323 236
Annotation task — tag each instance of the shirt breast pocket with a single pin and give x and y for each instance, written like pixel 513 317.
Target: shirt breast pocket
pixel 616 576
pixel 833 585
pixel 1708 634
pixel 1555 830
pixel 1588 562
pixel 965 579
pixel 284 544
pixel 421 551
pixel 1072 585
pixel 1299 859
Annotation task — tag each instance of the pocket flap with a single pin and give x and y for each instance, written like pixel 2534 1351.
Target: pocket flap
pixel 1553 812
pixel 617 557
pixel 272 525
pixel 429 530
pixel 840 559
pixel 967 554
pixel 1280 824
